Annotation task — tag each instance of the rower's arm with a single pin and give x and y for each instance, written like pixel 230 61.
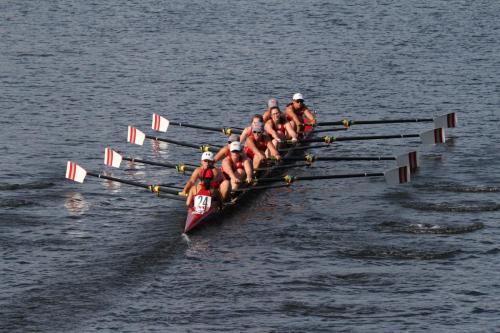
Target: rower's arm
pixel 221 154
pixel 226 167
pixel 244 135
pixel 308 114
pixel 290 131
pixel 248 169
pixel 273 150
pixel 270 130
pixel 295 118
pixel 191 181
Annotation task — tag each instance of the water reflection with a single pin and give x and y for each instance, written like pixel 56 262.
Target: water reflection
pixel 76 204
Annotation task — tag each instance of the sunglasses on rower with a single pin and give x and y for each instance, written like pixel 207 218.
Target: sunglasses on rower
pixel 299 101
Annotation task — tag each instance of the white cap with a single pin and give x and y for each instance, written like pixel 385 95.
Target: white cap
pixel 297 96
pixel 207 156
pixel 235 146
pixel 272 103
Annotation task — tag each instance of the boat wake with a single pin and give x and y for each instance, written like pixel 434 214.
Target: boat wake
pixel 428 228
pixel 383 252
pixel 186 238
pixel 458 188
pixel 465 207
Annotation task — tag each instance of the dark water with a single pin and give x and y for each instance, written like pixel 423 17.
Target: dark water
pixel 349 255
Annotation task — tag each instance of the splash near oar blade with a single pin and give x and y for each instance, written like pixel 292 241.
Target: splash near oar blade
pixel 397 176
pixel 112 158
pixel 75 172
pixel 433 137
pixel 446 121
pixel 159 124
pixel 135 136
pixel 410 159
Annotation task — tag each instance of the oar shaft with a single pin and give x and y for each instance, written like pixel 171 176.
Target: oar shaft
pixel 352 175
pixel 180 143
pixel 207 128
pixel 382 121
pixel 130 182
pixel 360 138
pixel 163 164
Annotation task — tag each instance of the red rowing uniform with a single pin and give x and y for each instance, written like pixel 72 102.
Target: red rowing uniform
pixel 234 166
pixel 260 144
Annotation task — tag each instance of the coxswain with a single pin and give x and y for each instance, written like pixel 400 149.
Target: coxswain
pixel 278 127
pixel 205 180
pixel 299 113
pixel 259 145
pixel 247 131
pixel 225 151
pixel 236 168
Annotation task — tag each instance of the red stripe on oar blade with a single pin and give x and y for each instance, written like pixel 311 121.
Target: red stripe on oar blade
pixel 403 175
pixel 157 122
pixel 109 156
pixel 438 135
pixel 451 120
pixel 72 171
pixel 412 157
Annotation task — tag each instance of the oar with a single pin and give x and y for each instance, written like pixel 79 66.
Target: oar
pixel 161 124
pixel 137 137
pixel 445 121
pixel 285 166
pixel 77 173
pixel 394 176
pixel 409 158
pixel 114 159
pixel 430 137
pixel 253 188
pixel 330 129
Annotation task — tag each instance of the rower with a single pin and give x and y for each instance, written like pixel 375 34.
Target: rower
pixel 205 179
pixel 224 151
pixel 259 145
pixel 256 119
pixel 271 104
pixel 278 127
pixel 299 113
pixel 236 167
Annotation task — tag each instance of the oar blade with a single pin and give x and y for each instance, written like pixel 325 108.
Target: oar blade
pixel 433 137
pixel 75 172
pixel 397 176
pixel 112 158
pixel 159 124
pixel 410 159
pixel 446 121
pixel 135 136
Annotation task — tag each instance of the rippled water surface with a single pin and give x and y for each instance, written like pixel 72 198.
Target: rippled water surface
pixel 340 255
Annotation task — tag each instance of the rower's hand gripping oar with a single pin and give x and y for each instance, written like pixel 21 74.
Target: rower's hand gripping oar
pixel 432 137
pixel 395 176
pixel 137 137
pixel 445 121
pixel 114 159
pixel 161 124
pixel 77 173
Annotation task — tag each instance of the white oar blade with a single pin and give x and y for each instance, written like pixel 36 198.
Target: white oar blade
pixel 410 159
pixel 75 172
pixel 135 136
pixel 446 121
pixel 433 137
pixel 159 124
pixel 112 158
pixel 398 175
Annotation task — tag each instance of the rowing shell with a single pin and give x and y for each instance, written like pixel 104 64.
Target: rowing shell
pixel 195 219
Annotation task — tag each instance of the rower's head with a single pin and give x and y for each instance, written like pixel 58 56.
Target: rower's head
pixel 235 148
pixel 298 99
pixel 257 129
pixel 233 138
pixel 257 119
pixel 207 158
pixel 275 114
pixel 272 104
